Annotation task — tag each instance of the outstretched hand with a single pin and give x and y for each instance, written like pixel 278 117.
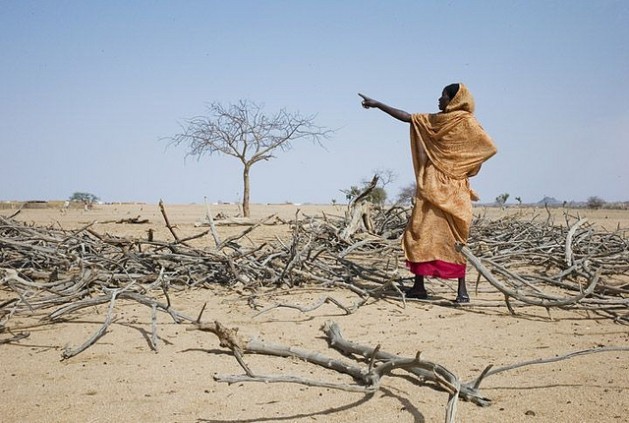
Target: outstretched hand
pixel 367 101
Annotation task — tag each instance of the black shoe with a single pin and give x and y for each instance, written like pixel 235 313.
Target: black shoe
pixel 462 299
pixel 420 295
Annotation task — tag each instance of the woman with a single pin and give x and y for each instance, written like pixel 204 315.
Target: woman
pixel 447 148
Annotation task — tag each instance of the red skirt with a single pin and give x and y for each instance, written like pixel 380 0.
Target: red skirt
pixel 437 268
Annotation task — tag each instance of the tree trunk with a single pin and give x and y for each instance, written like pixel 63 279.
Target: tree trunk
pixel 245 191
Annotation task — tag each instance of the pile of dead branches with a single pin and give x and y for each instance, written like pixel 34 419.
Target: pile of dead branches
pixel 571 265
pixel 531 263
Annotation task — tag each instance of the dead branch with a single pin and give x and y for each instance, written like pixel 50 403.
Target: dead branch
pixel 208 215
pixel 68 352
pixel 308 308
pixel 490 370
pixel 569 236
pixel 368 379
pixel 547 301
pixel 425 371
pixel 168 225
pixel 358 210
pixel 131 220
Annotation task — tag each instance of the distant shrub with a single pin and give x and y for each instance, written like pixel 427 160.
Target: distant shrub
pixel 502 199
pixel 594 202
pixel 84 197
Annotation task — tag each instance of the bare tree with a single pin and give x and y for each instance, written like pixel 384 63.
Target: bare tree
pixel 243 131
pixel 407 194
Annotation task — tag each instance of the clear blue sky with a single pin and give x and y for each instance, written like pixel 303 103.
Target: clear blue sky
pixel 88 89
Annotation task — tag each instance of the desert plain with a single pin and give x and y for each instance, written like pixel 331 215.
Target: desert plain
pixel 120 378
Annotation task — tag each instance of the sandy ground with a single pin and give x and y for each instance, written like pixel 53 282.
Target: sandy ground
pixel 120 379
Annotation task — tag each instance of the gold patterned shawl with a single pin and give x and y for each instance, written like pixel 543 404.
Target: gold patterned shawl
pixel 447 149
